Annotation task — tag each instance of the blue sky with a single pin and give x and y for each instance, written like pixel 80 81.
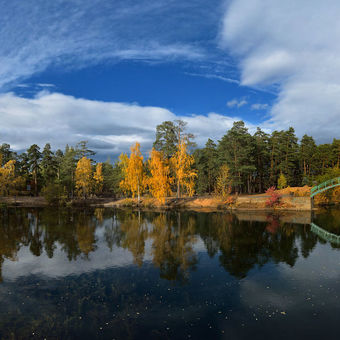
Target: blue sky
pixel 110 71
pixel 174 86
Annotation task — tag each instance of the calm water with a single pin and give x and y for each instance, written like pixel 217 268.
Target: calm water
pixel 116 274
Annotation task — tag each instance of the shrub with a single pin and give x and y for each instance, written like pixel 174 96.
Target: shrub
pixel 128 202
pixel 230 201
pixel 54 194
pixel 149 202
pixel 302 192
pixel 274 197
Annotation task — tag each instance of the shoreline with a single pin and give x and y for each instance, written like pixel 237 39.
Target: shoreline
pixel 244 203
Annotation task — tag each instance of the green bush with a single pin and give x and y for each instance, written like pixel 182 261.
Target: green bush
pixel 54 194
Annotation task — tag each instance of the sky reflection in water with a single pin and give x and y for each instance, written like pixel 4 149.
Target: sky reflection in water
pixel 121 274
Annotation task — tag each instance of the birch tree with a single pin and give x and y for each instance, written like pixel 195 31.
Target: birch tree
pixel 159 181
pixel 133 171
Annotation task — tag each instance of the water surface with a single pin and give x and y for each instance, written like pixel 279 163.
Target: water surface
pixel 119 274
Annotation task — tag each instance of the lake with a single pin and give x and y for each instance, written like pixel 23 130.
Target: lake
pixel 121 274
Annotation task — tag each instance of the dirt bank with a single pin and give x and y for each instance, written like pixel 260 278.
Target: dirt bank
pixel 37 202
pixel 292 199
pixel 208 203
pixel 23 201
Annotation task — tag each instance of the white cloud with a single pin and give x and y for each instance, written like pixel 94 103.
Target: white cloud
pixel 237 103
pixel 259 106
pixel 293 46
pixel 110 127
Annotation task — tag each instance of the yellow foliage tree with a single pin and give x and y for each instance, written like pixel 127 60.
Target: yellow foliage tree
pixel 123 160
pixel 8 180
pixel 133 172
pixel 83 177
pixel 160 181
pixel 98 178
pixel 282 181
pixel 182 164
pixel 223 181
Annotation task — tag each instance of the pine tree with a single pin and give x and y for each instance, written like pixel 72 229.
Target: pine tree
pixel 325 158
pixel 23 166
pixel 34 157
pixel 262 159
pixel 67 169
pixel 206 161
pixel 48 165
pixel 58 162
pixel 284 151
pixel 83 151
pixel 168 135
pixel 236 149
pixel 7 154
pixel 289 164
pixel 307 157
pixel 336 152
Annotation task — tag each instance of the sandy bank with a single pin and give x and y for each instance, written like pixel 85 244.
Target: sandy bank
pixel 244 202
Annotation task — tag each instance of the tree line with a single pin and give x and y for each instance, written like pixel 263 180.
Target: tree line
pixel 240 162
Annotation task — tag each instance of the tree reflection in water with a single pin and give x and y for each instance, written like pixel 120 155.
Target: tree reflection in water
pixel 171 240
pixel 172 245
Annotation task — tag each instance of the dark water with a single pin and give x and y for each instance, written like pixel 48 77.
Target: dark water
pixel 115 274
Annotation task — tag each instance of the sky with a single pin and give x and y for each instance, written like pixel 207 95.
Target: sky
pixel 110 71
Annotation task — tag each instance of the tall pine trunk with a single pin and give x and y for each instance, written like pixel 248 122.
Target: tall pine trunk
pixel 35 183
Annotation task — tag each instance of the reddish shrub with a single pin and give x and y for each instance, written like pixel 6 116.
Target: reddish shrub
pixel 229 201
pixel 274 197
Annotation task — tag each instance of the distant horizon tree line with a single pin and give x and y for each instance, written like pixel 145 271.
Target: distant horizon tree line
pixel 238 163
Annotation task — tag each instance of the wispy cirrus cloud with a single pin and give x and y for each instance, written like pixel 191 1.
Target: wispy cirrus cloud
pixel 35 35
pixel 214 76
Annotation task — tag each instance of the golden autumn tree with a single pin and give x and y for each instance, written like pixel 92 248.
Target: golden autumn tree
pixel 83 176
pixel 133 172
pixel 8 180
pixel 223 181
pixel 182 164
pixel 160 181
pixel 282 181
pixel 98 178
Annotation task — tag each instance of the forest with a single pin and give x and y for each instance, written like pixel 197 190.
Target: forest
pixel 240 162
